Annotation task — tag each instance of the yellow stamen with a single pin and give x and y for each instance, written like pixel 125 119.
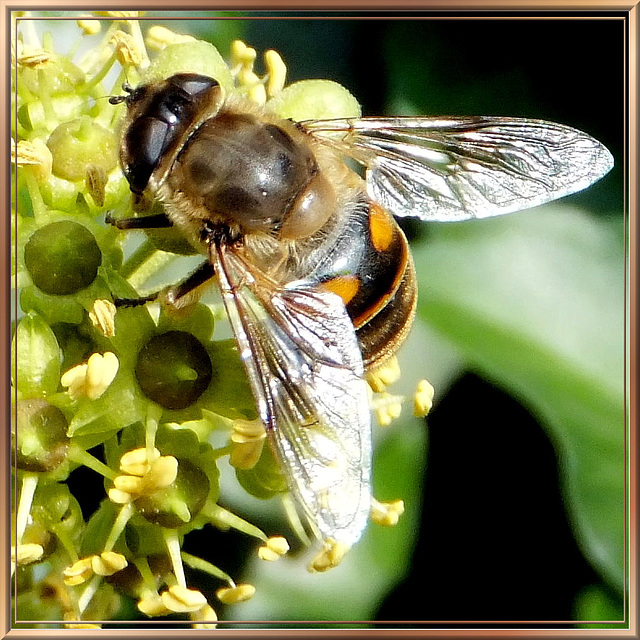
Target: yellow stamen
pixel 91 379
pixel 120 497
pixel 95 181
pixel 78 572
pixel 234 595
pixel 258 94
pixel 248 440
pixel 89 26
pixel 384 376
pixel 159 37
pixel 102 316
pixel 34 153
pixel 127 51
pixel 108 563
pixel 242 60
pixel 387 513
pixel 183 600
pixel 242 55
pixel 387 408
pixel 152 605
pixel 136 462
pixel 274 548
pixel 423 399
pixel 276 72
pixel 162 473
pixel 330 556
pixel 26 553
pixel 32 57
pixel 206 615
pixel 248 431
pixel 145 472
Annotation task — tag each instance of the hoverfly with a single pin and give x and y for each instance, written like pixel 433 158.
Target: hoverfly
pixel 314 272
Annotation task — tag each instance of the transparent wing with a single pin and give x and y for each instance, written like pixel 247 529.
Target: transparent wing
pixel 305 369
pixel 457 168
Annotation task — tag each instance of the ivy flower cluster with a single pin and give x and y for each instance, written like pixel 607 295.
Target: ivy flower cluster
pixel 136 394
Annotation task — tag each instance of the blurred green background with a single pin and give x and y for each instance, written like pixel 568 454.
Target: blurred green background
pixel 515 484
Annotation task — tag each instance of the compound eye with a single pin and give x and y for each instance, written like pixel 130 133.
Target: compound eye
pixel 172 108
pixel 148 136
pixel 165 114
pixel 181 97
pixel 192 84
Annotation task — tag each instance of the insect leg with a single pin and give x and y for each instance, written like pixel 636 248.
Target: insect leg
pixel 156 221
pixel 135 302
pixel 173 295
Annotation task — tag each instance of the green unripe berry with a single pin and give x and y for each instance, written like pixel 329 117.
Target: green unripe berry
pixel 56 508
pixel 62 257
pixel 39 434
pixel 61 76
pixel 173 369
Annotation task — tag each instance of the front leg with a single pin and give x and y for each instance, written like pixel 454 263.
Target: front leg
pixel 156 221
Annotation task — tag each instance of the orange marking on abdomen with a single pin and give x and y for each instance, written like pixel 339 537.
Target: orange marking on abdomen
pixel 344 286
pixel 381 227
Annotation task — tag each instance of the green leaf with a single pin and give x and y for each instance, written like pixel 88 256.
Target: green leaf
pixel 535 301
pixel 595 603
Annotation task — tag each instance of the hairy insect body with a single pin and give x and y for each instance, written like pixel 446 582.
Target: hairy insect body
pixel 314 272
pixel 271 185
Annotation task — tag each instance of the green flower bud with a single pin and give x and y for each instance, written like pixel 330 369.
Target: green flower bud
pixel 62 257
pixel 190 57
pixel 179 503
pixel 81 143
pixel 56 509
pixel 173 369
pixel 39 435
pixel 314 99
pixel 37 352
pixel 61 76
